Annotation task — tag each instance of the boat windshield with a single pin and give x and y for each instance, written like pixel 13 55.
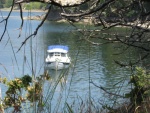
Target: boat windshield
pixel 57 54
pixel 51 54
pixel 63 54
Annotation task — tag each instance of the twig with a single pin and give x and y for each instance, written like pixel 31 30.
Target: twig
pixel 36 31
pixel 22 21
pixel 102 88
pixel 130 63
pixel 54 2
pixel 89 12
pixel 6 20
pixel 131 44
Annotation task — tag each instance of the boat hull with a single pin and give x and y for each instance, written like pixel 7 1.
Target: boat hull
pixel 57 65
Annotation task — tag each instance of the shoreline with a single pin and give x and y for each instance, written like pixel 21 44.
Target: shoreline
pixel 85 20
pixel 23 10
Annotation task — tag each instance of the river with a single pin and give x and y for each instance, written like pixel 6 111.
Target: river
pixel 90 64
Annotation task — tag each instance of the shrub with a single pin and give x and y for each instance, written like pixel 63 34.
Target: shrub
pixel 141 85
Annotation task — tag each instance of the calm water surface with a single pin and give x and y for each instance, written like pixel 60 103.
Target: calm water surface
pixel 90 63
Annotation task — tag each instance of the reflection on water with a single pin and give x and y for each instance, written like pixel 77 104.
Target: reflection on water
pixel 89 64
pixel 55 90
pixel 59 75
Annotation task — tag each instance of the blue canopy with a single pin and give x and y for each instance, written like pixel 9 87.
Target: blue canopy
pixel 58 47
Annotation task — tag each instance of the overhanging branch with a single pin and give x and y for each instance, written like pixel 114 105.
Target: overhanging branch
pixel 60 3
pixel 6 21
pixel 36 31
pixel 89 12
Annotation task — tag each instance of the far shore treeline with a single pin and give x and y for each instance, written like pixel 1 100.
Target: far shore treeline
pixel 4 4
pixel 26 6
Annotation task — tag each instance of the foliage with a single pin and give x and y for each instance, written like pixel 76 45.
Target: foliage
pixel 14 97
pixel 7 3
pixel 34 92
pixel 84 7
pixel 13 94
pixel 27 6
pixel 141 83
pixel 1 3
pixel 34 5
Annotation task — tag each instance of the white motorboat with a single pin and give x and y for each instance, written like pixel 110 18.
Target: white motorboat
pixel 57 57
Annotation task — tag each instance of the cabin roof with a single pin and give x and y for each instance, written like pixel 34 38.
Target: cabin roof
pixel 58 48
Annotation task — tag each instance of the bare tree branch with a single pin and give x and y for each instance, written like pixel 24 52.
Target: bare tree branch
pixel 60 3
pixel 132 44
pixel 110 93
pixel 131 63
pixel 22 21
pixel 6 20
pixel 105 4
pixel 36 31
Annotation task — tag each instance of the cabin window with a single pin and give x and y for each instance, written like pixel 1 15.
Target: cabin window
pixel 63 54
pixel 51 54
pixel 57 54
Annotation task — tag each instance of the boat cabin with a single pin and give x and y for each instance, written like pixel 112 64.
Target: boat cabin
pixel 57 57
pixel 57 54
